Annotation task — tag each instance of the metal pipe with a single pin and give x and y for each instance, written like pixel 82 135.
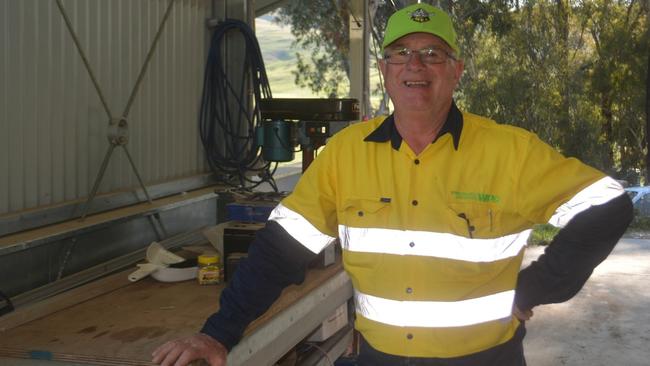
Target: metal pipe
pixel 98 180
pixel 75 39
pixel 143 70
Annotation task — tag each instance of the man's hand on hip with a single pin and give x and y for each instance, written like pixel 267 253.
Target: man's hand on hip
pixel 181 352
pixel 522 315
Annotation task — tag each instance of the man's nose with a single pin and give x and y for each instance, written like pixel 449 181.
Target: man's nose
pixel 415 62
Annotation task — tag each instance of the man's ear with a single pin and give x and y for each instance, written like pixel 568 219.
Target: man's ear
pixel 459 67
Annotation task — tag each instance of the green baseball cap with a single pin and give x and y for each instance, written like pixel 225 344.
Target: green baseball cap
pixel 420 18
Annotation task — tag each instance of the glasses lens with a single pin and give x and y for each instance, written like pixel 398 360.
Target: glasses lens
pixel 398 56
pixel 432 56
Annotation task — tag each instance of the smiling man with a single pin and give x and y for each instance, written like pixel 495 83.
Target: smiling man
pixel 433 208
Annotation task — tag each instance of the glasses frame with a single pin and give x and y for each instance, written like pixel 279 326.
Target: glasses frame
pixel 421 52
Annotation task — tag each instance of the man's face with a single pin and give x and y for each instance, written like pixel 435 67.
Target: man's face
pixel 418 86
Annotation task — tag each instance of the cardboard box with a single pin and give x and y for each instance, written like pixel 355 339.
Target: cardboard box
pixel 331 325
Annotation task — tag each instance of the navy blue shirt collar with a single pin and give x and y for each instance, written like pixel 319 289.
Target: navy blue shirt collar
pixel 388 131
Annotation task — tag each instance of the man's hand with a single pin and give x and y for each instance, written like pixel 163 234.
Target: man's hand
pixel 522 315
pixel 181 352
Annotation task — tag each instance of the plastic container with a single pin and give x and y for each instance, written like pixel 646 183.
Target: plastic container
pixel 209 269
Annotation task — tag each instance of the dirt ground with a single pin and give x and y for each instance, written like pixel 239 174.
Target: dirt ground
pixel 607 323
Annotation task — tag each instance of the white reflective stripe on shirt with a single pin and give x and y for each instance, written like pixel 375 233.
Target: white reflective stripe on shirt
pixel 300 229
pixel 435 313
pixel 431 244
pixel 596 194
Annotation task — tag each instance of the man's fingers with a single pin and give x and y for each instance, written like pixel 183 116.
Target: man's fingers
pixel 172 356
pixel 522 315
pixel 187 356
pixel 162 350
pixel 182 352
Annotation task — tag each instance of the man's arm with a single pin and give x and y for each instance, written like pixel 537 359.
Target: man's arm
pixel 576 250
pixel 275 260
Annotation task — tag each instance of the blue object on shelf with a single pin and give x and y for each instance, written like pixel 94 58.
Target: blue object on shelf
pixel 250 211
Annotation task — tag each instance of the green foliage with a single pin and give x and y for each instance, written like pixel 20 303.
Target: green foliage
pixel 573 72
pixel 616 77
pixel 542 234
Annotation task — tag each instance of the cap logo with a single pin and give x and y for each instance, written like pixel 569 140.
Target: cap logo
pixel 420 16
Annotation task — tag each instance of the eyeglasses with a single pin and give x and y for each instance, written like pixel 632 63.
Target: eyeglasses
pixel 429 55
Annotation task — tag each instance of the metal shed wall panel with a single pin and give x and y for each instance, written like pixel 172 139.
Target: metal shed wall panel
pixel 53 127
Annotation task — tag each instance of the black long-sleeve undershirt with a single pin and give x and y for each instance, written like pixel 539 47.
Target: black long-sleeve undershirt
pixel 559 273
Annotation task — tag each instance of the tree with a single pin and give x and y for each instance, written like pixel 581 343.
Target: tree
pixel 569 71
pixel 617 72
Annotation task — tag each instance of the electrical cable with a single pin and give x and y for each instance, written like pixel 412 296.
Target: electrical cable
pixel 226 120
pixel 322 352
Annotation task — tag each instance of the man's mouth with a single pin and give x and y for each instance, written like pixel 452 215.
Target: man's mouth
pixel 416 84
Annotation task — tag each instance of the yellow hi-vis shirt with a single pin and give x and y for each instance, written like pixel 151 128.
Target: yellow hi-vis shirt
pixel 433 242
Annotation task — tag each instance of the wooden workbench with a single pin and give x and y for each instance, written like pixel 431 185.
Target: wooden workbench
pixel 123 326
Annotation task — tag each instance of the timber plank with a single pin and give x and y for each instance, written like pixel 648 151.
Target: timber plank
pixel 124 326
pixel 64 300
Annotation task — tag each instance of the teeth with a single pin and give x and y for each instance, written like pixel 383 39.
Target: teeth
pixel 415 83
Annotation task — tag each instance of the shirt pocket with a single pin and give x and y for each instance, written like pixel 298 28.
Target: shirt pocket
pixel 365 212
pixel 360 232
pixel 360 216
pixel 474 220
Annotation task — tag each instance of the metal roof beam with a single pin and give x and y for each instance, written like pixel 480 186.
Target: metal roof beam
pixel 266 6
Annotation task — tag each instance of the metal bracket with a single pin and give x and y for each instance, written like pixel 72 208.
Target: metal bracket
pixel 118 131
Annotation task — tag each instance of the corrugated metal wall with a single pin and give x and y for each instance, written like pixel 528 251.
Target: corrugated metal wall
pixel 53 127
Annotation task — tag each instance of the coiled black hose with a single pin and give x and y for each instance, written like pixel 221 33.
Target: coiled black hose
pixel 226 121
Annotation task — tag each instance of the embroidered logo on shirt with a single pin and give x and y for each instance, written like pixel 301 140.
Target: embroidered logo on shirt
pixel 473 196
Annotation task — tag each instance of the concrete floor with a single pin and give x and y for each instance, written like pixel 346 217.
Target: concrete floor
pixel 606 324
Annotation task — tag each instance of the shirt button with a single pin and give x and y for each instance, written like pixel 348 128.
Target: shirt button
pixel 414 202
pixel 416 161
pixel 409 336
pixel 411 244
pixel 409 290
pixel 360 213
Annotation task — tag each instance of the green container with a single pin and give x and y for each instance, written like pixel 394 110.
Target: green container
pixel 275 139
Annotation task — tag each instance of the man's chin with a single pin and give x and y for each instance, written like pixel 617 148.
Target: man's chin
pixel 415 104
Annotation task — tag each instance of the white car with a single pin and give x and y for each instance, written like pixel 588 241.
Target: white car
pixel 640 199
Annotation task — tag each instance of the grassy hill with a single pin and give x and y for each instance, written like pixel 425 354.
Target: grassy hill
pixel 280 59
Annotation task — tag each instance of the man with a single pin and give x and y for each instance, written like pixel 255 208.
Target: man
pixel 433 207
